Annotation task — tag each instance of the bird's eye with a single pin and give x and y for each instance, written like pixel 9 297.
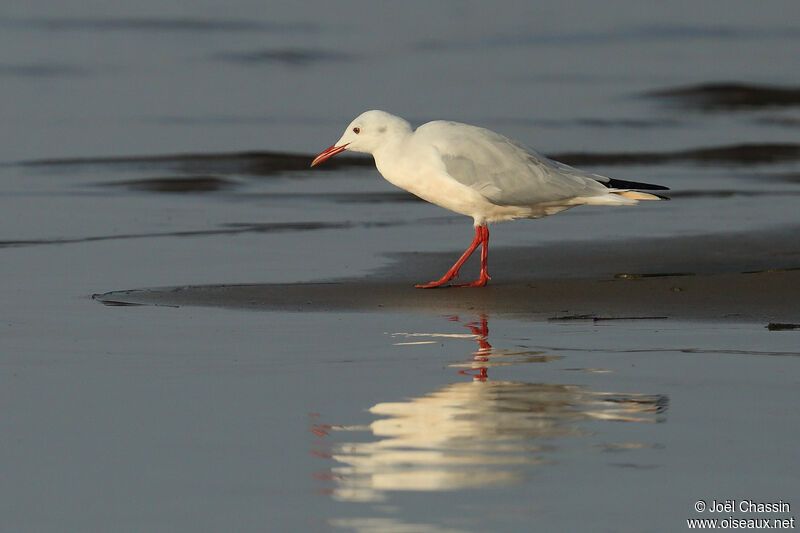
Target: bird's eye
pixel 356 130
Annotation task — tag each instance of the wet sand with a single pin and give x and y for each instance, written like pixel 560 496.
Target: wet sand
pixel 729 277
pixel 768 297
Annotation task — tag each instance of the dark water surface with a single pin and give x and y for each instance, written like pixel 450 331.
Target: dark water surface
pixel 148 146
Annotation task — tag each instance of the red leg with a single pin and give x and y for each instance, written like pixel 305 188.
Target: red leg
pixel 484 275
pixel 481 237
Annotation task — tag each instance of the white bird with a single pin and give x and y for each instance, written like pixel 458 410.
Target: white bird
pixel 478 173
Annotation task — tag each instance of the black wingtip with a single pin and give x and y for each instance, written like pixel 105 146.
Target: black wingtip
pixel 622 184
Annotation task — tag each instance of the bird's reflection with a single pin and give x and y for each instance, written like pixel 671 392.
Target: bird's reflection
pixel 468 434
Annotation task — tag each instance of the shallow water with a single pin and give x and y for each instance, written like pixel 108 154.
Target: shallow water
pixel 144 147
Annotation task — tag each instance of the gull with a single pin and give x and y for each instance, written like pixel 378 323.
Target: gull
pixel 478 173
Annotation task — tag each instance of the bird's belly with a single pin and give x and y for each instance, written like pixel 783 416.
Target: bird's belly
pixel 442 192
pixel 456 197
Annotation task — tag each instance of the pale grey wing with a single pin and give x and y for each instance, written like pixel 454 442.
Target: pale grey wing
pixel 505 172
pixel 532 181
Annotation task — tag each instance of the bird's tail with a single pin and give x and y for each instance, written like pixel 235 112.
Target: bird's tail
pixel 638 195
pixel 621 192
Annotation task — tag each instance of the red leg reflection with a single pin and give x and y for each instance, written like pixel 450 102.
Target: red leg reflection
pixel 481 330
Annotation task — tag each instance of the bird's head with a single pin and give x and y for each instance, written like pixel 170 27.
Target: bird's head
pixel 367 133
